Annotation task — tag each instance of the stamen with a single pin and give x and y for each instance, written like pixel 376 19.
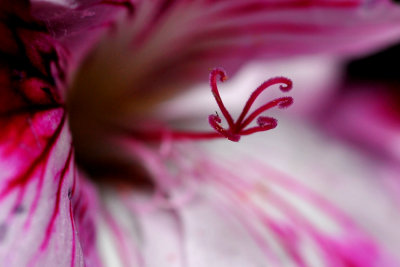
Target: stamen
pixel 282 102
pixel 238 128
pixel 287 86
pixel 214 89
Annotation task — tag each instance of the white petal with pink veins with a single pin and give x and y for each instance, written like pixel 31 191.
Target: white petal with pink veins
pixel 349 180
pixel 291 197
pixel 36 208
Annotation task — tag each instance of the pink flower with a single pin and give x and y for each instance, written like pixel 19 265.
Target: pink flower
pixel 98 170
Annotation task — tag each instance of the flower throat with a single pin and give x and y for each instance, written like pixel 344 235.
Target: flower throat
pixel 102 142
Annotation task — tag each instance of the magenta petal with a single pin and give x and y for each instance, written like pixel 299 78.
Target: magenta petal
pixel 39 186
pixel 46 210
pixel 37 170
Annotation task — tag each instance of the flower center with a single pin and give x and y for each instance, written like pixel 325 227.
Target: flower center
pixel 105 119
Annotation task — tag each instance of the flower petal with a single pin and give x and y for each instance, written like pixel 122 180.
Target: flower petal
pixel 77 26
pixel 39 187
pixel 43 201
pixel 187 37
pixel 367 117
pixel 36 170
pixel 286 200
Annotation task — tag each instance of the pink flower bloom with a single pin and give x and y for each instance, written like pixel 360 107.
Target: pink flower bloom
pixel 96 171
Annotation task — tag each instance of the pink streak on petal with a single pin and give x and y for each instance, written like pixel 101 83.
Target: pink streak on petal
pixel 124 248
pixel 73 235
pixel 36 199
pixel 85 207
pixel 57 203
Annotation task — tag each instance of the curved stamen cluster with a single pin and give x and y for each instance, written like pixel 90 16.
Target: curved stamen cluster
pixel 238 128
pixel 235 129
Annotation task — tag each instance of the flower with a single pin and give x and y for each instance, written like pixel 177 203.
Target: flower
pixel 83 88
